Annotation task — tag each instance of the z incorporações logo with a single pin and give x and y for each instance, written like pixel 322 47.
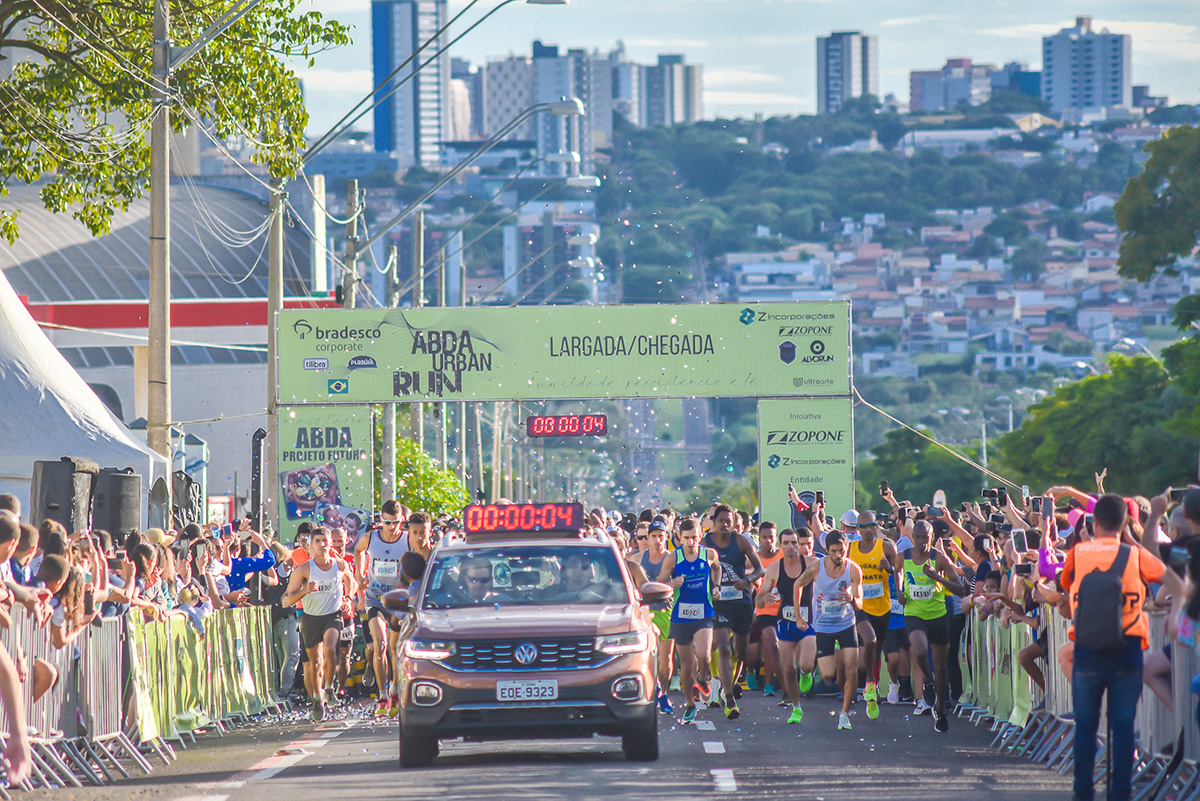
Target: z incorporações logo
pixel 773 462
pixel 302 328
pixel 339 386
pixel 747 316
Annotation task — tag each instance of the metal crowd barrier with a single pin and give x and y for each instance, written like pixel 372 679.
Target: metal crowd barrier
pixel 1167 741
pixel 121 676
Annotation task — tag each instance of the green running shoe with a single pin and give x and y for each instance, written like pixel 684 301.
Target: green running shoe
pixel 805 682
pixel 796 716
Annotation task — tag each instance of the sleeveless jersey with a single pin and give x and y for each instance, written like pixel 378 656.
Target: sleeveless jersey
pixel 733 567
pixel 876 597
pixel 328 597
pixel 831 615
pixel 772 608
pixel 383 567
pixel 693 600
pixel 926 598
pixel 787 593
pixel 652 568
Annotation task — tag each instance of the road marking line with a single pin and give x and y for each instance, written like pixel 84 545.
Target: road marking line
pixel 281 760
pixel 706 725
pixel 714 748
pixel 724 781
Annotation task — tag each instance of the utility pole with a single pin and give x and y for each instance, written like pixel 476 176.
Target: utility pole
pixel 350 278
pixel 158 396
pixel 497 441
pixel 464 451
pixel 389 409
pixel 416 411
pixel 274 306
pixel 443 430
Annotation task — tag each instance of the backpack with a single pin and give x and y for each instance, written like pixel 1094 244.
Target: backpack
pixel 1101 599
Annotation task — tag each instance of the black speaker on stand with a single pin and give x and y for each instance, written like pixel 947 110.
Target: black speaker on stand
pixel 62 491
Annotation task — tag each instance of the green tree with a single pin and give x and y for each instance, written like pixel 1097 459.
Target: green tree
pixel 1159 211
pixel 420 484
pixel 75 105
pixel 916 469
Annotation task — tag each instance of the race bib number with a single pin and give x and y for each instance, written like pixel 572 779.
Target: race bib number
pixel 788 613
pixel 325 586
pixel 729 593
pixel 385 568
pixel 690 611
pixel 872 591
pixel 832 608
pixel 897 607
pixel 921 592
pixel 804 613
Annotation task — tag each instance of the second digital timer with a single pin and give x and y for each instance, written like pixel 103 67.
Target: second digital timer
pixel 567 425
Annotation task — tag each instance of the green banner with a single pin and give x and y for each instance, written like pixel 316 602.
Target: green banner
pixel 325 468
pixel 564 352
pixel 808 443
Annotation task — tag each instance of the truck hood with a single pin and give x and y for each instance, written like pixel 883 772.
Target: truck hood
pixel 582 620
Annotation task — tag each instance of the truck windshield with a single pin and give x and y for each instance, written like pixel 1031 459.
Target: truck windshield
pixel 538 575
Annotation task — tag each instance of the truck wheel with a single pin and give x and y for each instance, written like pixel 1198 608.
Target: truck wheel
pixel 641 745
pixel 416 750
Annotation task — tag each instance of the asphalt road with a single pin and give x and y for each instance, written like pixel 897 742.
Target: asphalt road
pixel 756 756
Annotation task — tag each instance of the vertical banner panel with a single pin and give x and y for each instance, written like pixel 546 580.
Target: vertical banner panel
pixel 325 468
pixel 808 443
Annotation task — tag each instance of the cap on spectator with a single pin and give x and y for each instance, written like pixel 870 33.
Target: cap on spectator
pixel 1134 510
pixel 940 528
pixel 658 525
pixel 157 536
pixel 850 518
pixel 191 531
pixel 1073 517
pixel 628 522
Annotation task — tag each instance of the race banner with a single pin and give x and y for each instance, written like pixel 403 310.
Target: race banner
pixel 325 469
pixel 808 443
pixel 356 356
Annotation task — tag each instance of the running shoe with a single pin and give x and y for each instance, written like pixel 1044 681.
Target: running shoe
pixel 704 692
pixel 784 702
pixel 796 716
pixel 698 694
pixel 922 708
pixel 893 696
pixel 384 707
pixel 714 692
pixel 941 723
pixel 929 693
pixel 737 690
pixel 318 709
pixel 805 682
pixel 689 715
pixel 394 712
pixel 675 686
pixel 769 689
pixel 871 696
pixel 664 704
pixel 751 680
pixel 843 722
pixel 732 713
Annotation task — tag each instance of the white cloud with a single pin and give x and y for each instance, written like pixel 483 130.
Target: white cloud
pixel 670 44
pixel 357 82
pixel 904 21
pixel 756 99
pixel 739 76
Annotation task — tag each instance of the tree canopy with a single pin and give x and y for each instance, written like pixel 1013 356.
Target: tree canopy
pixel 75 106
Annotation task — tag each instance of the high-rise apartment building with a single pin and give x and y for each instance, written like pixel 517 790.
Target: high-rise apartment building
pixel 1085 74
pixel 508 90
pixel 471 83
pixel 960 81
pixel 413 121
pixel 847 67
pixel 673 91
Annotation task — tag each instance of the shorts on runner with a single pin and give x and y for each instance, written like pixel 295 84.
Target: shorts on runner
pixel 829 642
pixel 788 631
pixel 879 623
pixel 662 621
pixel 737 617
pixel 937 630
pixel 313 627
pixel 684 631
pixel 896 639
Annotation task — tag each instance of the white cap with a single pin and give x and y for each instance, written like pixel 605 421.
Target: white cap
pixel 850 518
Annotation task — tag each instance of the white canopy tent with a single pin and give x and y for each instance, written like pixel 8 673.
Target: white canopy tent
pixel 47 411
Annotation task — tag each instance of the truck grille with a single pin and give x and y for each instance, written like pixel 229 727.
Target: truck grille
pixel 486 655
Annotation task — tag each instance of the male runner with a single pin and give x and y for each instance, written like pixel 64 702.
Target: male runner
pixel 876 558
pixel 337 548
pixel 377 564
pixel 797 640
pixel 733 603
pixel 322 586
pixel 651 561
pixel 692 570
pixel 837 595
pixel 763 648
pixel 927 576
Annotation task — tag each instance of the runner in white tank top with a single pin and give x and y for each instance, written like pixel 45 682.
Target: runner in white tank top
pixel 322 586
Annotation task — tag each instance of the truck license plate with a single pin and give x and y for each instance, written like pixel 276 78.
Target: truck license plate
pixel 528 690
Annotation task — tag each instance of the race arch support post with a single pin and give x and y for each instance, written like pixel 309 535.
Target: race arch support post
pixel 808 443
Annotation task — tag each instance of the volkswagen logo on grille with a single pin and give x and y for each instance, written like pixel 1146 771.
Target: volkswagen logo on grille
pixel 526 653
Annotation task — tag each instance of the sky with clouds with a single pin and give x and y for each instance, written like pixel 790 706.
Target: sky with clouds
pixel 761 55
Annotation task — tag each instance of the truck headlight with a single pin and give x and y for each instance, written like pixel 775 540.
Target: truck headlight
pixel 631 642
pixel 428 649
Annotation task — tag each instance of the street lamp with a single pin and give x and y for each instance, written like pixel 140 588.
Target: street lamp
pixel 1085 366
pixel 1126 344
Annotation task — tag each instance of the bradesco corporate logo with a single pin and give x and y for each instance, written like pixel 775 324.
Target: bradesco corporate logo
pixel 335 340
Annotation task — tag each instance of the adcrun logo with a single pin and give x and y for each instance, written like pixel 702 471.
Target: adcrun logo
pixel 747 316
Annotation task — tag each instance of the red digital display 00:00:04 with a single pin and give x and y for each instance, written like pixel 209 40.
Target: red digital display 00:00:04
pixel 567 425
pixel 523 517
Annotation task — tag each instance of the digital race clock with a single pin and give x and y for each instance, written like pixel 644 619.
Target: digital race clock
pixel 514 517
pixel 567 425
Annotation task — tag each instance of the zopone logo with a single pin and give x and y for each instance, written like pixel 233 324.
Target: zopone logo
pixel 747 316
pixel 773 462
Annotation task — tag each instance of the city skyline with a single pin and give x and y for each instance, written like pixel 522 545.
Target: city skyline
pixel 764 60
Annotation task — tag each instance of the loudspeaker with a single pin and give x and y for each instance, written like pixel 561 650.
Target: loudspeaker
pixel 62 491
pixel 185 495
pixel 117 501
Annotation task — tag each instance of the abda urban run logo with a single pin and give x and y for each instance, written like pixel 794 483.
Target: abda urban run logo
pixel 774 461
pixel 747 316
